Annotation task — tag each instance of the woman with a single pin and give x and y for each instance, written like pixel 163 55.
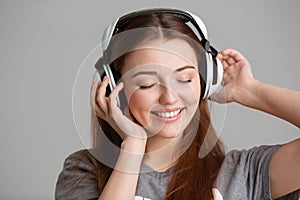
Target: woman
pixel 158 117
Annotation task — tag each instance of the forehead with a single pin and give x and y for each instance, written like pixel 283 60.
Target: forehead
pixel 171 53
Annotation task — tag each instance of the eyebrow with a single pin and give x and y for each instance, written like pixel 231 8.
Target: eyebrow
pixel 144 73
pixel 155 73
pixel 184 68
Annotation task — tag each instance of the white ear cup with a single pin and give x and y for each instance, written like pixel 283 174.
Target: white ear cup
pixel 210 87
pixel 216 87
pixel 209 74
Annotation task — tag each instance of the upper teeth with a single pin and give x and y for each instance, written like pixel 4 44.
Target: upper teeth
pixel 168 114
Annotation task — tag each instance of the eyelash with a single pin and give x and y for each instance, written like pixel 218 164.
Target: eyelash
pixel 185 81
pixel 143 87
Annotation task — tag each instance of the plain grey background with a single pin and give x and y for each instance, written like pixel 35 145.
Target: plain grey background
pixel 43 43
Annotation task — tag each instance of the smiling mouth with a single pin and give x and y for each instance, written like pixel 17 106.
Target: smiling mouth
pixel 167 114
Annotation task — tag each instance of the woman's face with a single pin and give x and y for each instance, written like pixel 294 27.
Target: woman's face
pixel 162 86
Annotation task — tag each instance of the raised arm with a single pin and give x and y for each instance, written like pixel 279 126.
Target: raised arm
pixel 123 180
pixel 278 101
pixel 241 87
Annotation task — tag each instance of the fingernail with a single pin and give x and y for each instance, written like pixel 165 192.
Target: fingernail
pixel 106 78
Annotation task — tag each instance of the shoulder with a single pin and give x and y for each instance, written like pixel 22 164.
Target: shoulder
pixel 245 171
pixel 245 162
pixel 255 154
pixel 80 158
pixel 78 177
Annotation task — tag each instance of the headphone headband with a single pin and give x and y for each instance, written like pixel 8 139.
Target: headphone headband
pixel 185 16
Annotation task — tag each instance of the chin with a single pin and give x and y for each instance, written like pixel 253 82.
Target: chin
pixel 167 134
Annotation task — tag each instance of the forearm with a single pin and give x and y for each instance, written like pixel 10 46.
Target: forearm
pixel 277 101
pixel 123 180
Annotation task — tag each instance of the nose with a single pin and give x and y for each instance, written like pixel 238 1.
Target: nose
pixel 167 96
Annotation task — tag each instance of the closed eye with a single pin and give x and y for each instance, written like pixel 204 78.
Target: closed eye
pixel 143 87
pixel 185 81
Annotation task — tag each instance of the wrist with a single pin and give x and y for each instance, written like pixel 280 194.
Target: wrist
pixel 131 155
pixel 134 145
pixel 249 94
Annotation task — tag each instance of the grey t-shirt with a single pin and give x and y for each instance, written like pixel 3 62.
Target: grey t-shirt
pixel 243 175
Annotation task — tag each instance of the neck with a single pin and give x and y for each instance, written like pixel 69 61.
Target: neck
pixel 161 152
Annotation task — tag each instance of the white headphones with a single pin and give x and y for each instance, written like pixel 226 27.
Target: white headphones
pixel 212 73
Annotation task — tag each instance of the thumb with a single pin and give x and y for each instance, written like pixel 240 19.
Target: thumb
pixel 128 114
pixel 219 97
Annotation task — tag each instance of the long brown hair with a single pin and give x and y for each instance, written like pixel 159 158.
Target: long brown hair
pixel 193 177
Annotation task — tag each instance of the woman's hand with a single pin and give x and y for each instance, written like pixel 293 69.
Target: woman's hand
pixel 241 87
pixel 134 136
pixel 236 79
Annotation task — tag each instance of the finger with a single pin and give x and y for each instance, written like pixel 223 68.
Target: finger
pixel 223 59
pixel 93 94
pixel 100 96
pixel 95 108
pixel 99 112
pixel 220 56
pixel 225 65
pixel 113 103
pixel 227 56
pixel 236 55
pixel 226 52
pixel 231 61
pixel 232 57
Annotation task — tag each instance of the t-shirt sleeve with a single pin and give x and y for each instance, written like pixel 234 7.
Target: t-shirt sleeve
pixel 77 180
pixel 246 174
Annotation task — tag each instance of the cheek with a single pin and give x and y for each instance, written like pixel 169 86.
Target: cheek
pixel 140 103
pixel 190 94
pixel 196 89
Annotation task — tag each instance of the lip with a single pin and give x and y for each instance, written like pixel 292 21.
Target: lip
pixel 169 109
pixel 168 119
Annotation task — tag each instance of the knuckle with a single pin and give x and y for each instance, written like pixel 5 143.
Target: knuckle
pixel 98 100
pixel 111 96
